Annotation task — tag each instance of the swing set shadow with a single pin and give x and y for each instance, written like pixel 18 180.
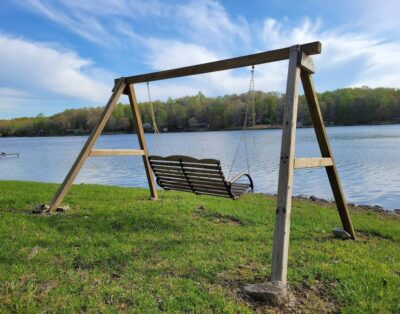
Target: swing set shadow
pixel 301 69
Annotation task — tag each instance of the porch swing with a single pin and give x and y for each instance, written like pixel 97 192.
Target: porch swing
pixel 203 176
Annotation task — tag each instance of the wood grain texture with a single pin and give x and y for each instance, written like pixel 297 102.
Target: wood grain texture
pixel 253 59
pixel 105 115
pixel 306 63
pixel 142 141
pixel 322 138
pixel 312 162
pixel 200 176
pixel 117 152
pixel 280 248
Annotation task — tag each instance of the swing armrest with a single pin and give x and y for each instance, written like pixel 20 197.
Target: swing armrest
pixel 237 177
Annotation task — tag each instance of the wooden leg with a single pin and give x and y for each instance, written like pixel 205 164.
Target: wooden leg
pixel 324 146
pixel 105 115
pixel 284 201
pixel 142 141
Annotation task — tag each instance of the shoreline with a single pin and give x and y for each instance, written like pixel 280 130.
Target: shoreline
pixel 371 208
pixel 270 127
pixel 311 198
pixel 318 200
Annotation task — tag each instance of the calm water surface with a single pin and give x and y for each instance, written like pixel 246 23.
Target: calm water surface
pixel 367 157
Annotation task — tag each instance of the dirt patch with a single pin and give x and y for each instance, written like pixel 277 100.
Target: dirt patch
pixel 367 235
pixel 312 299
pixel 361 236
pixel 315 298
pixel 46 287
pixel 35 251
pixel 219 218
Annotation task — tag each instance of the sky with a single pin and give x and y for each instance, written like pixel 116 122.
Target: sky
pixel 63 54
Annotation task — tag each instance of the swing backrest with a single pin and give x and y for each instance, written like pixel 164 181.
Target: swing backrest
pixel 183 173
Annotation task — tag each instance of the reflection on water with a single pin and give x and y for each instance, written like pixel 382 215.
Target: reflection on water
pixel 367 158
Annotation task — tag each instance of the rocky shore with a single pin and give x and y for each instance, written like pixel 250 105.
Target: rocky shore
pixel 374 208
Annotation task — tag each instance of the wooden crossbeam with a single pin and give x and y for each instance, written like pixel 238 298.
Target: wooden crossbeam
pixel 312 162
pixel 117 152
pixel 238 62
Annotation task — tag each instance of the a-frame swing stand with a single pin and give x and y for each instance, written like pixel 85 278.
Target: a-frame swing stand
pixel 300 69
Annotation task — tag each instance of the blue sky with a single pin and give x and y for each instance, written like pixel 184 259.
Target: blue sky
pixel 66 53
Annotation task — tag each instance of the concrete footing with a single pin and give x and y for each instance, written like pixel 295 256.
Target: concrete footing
pixel 273 293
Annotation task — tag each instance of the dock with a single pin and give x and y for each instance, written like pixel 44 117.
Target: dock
pixel 4 155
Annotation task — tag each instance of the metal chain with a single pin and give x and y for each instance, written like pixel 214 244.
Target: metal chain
pixel 153 116
pixel 250 96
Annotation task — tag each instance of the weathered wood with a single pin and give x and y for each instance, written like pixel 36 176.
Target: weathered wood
pixel 280 248
pixel 185 165
pixel 105 115
pixel 195 189
pixel 185 159
pixel 200 176
pixel 196 174
pixel 117 152
pixel 207 172
pixel 198 188
pixel 254 59
pixel 312 162
pixel 142 141
pixel 322 138
pixel 306 63
pixel 205 182
pixel 200 180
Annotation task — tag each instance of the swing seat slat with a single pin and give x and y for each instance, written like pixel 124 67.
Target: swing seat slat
pixel 199 176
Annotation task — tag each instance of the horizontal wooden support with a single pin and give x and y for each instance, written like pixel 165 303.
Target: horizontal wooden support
pixel 116 152
pixel 312 162
pixel 238 62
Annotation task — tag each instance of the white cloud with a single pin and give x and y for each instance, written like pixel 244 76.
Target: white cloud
pixel 181 34
pixel 207 22
pixel 167 54
pixel 179 54
pixel 32 70
pixel 103 22
pixel 371 58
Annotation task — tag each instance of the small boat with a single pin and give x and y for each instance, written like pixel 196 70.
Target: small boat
pixel 3 154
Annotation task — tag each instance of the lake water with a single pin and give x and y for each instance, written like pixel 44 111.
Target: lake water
pixel 367 158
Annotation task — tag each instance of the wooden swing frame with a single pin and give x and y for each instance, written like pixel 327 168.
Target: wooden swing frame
pixel 301 69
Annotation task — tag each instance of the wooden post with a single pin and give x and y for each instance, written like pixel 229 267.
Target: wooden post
pixel 105 115
pixel 142 141
pixel 280 248
pixel 320 132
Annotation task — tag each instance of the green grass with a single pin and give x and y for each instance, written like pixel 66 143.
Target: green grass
pixel 116 251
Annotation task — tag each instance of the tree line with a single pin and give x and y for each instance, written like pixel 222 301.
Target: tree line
pixel 346 106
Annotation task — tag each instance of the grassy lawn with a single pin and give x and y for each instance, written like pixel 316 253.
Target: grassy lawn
pixel 116 251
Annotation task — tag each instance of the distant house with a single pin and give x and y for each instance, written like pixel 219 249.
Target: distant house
pixel 201 125
pixel 75 131
pixel 147 127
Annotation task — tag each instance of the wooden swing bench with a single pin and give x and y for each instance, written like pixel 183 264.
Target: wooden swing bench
pixel 200 176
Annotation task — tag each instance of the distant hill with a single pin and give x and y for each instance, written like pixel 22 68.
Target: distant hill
pixel 346 106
